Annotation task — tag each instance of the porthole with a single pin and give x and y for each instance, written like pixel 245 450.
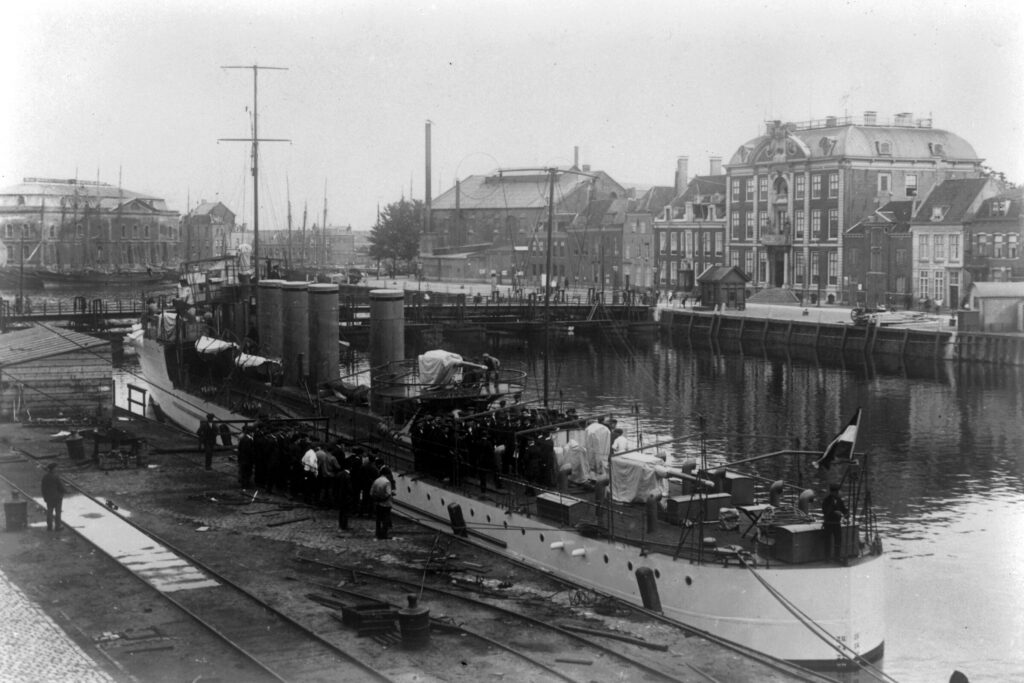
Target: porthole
pixel 442 502
pixel 542 538
pixel 629 566
pixel 689 581
pixel 428 496
pixel 408 489
pixel 522 531
pixel 488 519
pixel 657 573
pixel 471 513
pixel 606 559
pixel 506 524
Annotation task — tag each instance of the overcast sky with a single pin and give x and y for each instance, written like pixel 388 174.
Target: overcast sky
pixel 133 92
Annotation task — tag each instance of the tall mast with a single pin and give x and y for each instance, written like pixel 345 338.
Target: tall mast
pixel 547 278
pixel 288 254
pixel 255 140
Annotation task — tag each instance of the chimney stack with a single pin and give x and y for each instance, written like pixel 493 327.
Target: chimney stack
pixel 715 165
pixel 681 174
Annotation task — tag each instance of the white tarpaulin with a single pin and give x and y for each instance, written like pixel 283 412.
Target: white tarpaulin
pixel 246 360
pixel 637 477
pixel 209 345
pixel 439 367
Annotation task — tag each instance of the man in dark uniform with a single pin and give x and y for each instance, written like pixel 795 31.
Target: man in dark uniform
pixel 53 494
pixel 207 434
pixel 834 510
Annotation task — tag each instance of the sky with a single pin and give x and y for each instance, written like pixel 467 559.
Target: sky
pixel 135 93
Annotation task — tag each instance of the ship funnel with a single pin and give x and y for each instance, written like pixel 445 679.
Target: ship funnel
pixel 269 318
pixel 387 337
pixel 295 337
pixel 323 333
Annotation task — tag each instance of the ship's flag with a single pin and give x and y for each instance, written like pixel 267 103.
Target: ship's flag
pixel 841 446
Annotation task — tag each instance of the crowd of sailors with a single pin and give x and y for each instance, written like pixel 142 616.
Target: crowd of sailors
pixel 322 473
pixel 533 445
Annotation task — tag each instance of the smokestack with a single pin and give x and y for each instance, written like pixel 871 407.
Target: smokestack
pixel 681 174
pixel 427 190
pixel 576 156
pixel 715 165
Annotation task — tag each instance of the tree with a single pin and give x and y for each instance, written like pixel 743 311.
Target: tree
pixel 395 239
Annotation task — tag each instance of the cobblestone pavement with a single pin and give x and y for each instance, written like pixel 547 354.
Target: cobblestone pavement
pixel 35 649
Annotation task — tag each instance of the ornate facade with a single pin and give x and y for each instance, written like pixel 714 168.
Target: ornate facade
pixel 794 192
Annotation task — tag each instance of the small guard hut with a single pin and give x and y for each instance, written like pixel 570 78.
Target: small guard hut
pixel 723 285
pixel 50 372
pixel 994 307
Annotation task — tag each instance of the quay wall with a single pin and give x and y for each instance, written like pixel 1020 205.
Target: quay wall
pixel 706 327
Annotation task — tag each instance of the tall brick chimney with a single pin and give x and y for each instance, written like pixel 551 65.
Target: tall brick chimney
pixel 715 166
pixel 682 171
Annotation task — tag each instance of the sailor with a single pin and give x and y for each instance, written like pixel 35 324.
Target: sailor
pixel 493 365
pixel 53 493
pixel 184 303
pixel 382 490
pixel 207 434
pixel 619 442
pixel 834 510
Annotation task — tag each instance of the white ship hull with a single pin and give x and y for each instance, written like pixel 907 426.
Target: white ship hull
pixel 728 602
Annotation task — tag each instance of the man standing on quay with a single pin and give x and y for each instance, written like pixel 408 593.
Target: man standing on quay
pixel 207 434
pixel 53 494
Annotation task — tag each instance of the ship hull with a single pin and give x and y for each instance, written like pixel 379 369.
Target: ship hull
pixel 731 602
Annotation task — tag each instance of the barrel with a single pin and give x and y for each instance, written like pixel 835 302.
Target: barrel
pixel 16 515
pixel 76 447
pixel 414 624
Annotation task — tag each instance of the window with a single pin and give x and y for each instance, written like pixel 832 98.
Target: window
pixel 936 149
pixel 735 189
pixel 663 242
pixel 800 187
pixel 749 226
pixel 815 224
pixel 876 261
pixel 833 224
pixel 748 262
pixel 938 213
pixel 750 188
pixel 799 267
pixel 922 248
pixel 674 237
pixel 983 245
pixel 688 243
pixel 833 185
pixel 799 223
pixel 815 269
pixel 833 268
pixel 999 250
pixel 884 183
pixel 1011 245
pixel 940 284
pixel 816 186
pixel 762 221
pixel 884 148
pixel 910 182
pixel 734 224
pixel 145 231
pixel 924 284
pixel 719 244
pixel 762 187
pixel 939 247
pixel 954 247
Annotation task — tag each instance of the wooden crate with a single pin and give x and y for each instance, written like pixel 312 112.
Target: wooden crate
pixel 565 510
pixel 679 508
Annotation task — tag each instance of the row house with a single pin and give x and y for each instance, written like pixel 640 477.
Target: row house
pixel 70 224
pixel 639 248
pixel 938 231
pixel 206 230
pixel 690 230
pixel 794 191
pixel 993 238
pixel 494 227
pixel 877 258
pixel 301 249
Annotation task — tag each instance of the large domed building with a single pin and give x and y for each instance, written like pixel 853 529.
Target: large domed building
pixel 795 190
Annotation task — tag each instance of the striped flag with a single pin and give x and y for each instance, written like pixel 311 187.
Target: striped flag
pixel 841 446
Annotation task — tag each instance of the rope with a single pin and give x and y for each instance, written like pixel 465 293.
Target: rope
pixel 817 629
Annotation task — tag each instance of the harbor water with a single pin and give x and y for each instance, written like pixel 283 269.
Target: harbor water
pixel 946 449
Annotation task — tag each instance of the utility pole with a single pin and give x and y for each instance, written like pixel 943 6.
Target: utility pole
pixel 255 141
